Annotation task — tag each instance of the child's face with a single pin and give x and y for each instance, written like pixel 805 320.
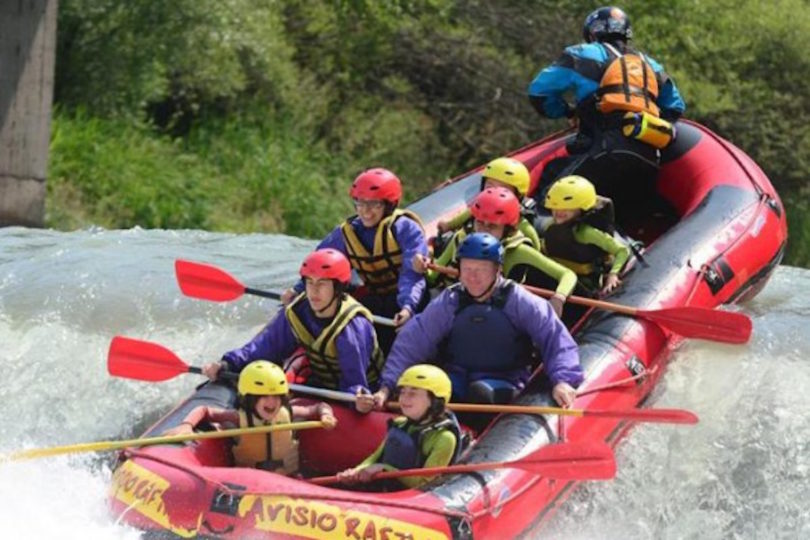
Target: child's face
pixel 564 216
pixel 492 183
pixel 494 229
pixel 268 406
pixel 320 293
pixel 414 401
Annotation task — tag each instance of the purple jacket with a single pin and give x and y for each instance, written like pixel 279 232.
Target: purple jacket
pixel 276 342
pixel 419 339
pixel 411 240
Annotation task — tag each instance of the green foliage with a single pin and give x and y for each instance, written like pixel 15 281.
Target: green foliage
pixel 228 175
pixel 114 174
pixel 256 114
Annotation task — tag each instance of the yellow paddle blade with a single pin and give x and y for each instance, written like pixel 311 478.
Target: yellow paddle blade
pixel 103 446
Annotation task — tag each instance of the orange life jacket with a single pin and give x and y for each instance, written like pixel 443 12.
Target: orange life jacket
pixel 628 84
pixel 276 452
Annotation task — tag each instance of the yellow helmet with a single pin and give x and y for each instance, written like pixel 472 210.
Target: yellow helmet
pixel 427 377
pixel 571 193
pixel 263 378
pixel 509 171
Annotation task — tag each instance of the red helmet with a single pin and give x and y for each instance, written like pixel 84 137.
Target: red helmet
pixel 327 264
pixel 377 184
pixel 496 205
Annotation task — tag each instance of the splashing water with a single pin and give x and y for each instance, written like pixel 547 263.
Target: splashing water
pixel 742 472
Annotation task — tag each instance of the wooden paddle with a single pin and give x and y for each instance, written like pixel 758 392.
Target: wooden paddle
pixel 147 361
pixel 658 416
pixel 687 321
pixel 103 446
pixel 208 282
pixel 565 461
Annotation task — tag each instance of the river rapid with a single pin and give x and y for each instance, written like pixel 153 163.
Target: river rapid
pixel 742 472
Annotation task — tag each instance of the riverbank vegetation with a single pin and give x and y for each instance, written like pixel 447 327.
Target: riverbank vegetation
pixel 255 115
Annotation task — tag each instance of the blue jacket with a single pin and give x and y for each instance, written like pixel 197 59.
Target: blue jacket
pixel 421 337
pixel 411 240
pixel 579 70
pixel 276 342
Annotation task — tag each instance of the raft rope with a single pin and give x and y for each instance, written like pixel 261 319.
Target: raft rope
pixel 297 494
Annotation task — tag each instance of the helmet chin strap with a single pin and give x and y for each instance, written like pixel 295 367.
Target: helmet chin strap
pixel 335 298
pixel 487 291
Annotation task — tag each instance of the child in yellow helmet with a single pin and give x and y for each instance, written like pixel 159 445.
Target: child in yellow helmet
pixel 502 172
pixel 427 435
pixel 263 400
pixel 592 252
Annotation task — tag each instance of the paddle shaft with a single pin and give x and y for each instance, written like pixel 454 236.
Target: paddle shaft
pixel 148 441
pixel 687 321
pixel 665 416
pixel 570 461
pixel 452 272
pixel 207 282
pixel 264 294
pixel 456 469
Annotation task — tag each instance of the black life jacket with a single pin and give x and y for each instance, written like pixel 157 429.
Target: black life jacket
pixel 403 450
pixel 560 244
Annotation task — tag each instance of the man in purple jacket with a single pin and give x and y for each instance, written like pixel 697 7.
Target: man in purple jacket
pixel 334 330
pixel 380 242
pixel 482 332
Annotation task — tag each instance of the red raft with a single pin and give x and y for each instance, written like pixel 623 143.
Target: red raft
pixel 727 235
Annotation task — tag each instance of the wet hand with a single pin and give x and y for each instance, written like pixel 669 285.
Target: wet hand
pixel 328 420
pixel 288 296
pixel 402 317
pixel 420 263
pixel 364 401
pixel 349 476
pixel 442 226
pixel 564 394
pixel 367 474
pixel 612 281
pixel 368 402
pixel 211 369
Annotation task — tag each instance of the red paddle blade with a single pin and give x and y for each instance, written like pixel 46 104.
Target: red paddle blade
pixel 142 360
pixel 207 282
pixel 703 323
pixel 571 461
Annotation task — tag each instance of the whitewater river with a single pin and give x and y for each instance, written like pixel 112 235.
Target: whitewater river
pixel 742 472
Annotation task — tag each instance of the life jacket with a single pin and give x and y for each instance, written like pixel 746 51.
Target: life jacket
pixel 275 452
pixel 628 84
pixel 380 268
pixel 482 338
pixel 510 243
pixel 322 349
pixel 403 450
pixel 560 244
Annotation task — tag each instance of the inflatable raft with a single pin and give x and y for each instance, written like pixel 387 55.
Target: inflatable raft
pixel 725 234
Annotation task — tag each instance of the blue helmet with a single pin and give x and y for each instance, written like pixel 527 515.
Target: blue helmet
pixel 481 246
pixel 607 24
